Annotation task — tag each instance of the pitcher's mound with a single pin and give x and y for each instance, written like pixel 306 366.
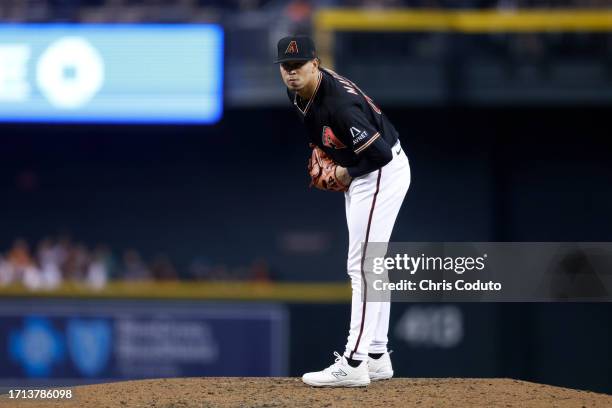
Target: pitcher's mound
pixel 291 392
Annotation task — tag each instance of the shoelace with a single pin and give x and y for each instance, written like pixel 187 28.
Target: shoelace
pixel 336 361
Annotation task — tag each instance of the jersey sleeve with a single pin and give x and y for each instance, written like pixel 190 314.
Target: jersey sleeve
pixel 350 123
pixel 371 149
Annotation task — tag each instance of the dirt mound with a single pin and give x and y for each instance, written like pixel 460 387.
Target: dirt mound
pixel 291 392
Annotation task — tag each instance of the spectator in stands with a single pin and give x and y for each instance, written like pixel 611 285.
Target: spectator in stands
pixel 200 268
pixel 297 15
pixel 60 260
pixel 97 271
pixel 163 269
pixel 77 261
pixel 260 270
pixel 49 259
pixel 24 267
pixel 6 271
pixel 298 11
pixel 134 268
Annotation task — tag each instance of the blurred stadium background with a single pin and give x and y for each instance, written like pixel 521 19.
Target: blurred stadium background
pixel 155 219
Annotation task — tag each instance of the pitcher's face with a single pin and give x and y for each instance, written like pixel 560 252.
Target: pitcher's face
pixel 297 74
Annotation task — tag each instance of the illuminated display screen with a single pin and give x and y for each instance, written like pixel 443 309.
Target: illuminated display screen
pixel 119 73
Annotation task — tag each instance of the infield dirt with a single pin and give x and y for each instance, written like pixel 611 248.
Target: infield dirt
pixel 291 392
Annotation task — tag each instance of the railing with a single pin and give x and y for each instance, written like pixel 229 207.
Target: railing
pixel 328 21
pixel 240 291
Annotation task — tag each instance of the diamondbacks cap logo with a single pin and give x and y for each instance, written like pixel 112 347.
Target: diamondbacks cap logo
pixel 330 140
pixel 292 48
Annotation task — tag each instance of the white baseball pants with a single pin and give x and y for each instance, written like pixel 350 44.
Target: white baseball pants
pixel 372 204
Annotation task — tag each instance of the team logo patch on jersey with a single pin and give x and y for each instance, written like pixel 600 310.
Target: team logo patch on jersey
pixel 330 140
pixel 292 48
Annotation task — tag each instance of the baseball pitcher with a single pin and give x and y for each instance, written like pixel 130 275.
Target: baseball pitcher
pixel 356 150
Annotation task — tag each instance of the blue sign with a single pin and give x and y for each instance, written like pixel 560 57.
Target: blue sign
pixel 37 347
pixel 116 73
pixel 89 343
pixel 140 339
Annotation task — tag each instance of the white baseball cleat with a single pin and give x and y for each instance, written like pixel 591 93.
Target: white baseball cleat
pixel 381 368
pixel 339 374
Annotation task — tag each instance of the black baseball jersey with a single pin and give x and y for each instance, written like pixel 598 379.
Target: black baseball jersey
pixel 346 124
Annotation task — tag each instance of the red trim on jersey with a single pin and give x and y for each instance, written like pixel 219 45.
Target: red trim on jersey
pixel 369 142
pixel 363 279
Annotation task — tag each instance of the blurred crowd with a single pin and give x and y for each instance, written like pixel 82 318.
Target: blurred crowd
pixel 208 10
pixel 57 260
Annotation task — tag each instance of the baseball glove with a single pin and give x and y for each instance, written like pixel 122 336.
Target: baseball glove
pixel 322 170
